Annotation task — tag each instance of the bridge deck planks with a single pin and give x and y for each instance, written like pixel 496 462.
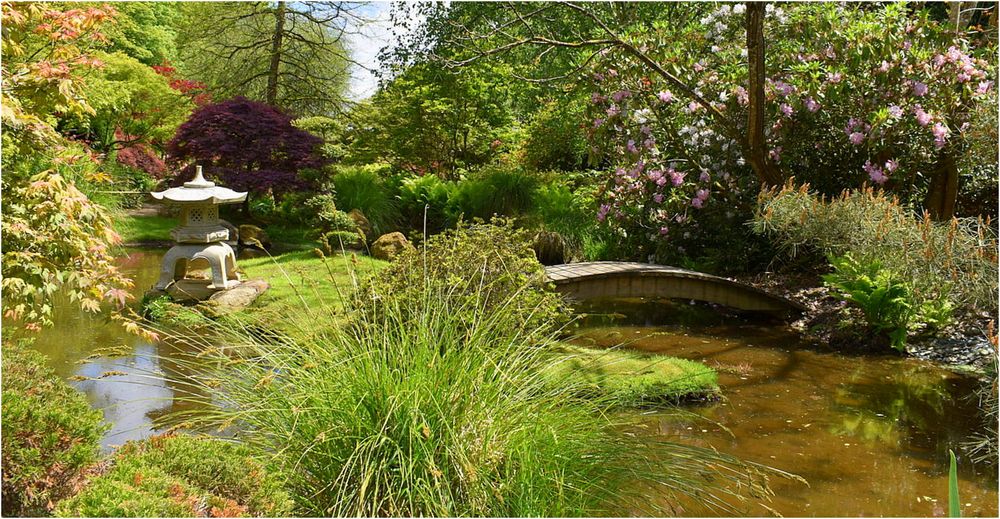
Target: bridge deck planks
pixel 627 279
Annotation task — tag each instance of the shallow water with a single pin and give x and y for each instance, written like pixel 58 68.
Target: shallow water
pixel 134 390
pixel 870 434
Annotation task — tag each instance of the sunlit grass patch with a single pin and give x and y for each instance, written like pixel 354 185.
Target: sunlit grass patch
pixel 139 229
pixel 630 378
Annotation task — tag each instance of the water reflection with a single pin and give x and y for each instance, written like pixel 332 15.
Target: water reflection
pixel 134 382
pixel 869 433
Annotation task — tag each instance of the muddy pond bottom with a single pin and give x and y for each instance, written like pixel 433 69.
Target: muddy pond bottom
pixel 870 434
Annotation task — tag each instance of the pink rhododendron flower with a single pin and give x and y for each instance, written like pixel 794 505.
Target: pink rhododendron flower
pixel 857 138
pixel 705 176
pixel 885 66
pixel 923 118
pixel 919 89
pixel 786 109
pixel 962 77
pixel 742 97
pixel 775 154
pixel 693 107
pixel 630 146
pixel 701 194
pixel 613 110
pixel 602 213
pixel 698 67
pixel 649 143
pixel 658 198
pixel 895 111
pixel 907 44
pixel 676 177
pixel 620 95
pixel 891 165
pixel 597 98
pixel 697 203
pixel 984 86
pixel 664 230
pixel 811 104
pixel 940 60
pixel 940 132
pixel 612 72
pixel 665 96
pixel 598 122
pixel 875 173
pixel 836 77
pixel 645 130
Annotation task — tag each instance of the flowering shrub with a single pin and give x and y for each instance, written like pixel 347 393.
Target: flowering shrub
pixel 853 95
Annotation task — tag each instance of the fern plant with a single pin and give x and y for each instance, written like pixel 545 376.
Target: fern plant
pixel 885 301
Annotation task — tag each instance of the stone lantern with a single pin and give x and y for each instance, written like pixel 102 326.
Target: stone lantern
pixel 200 235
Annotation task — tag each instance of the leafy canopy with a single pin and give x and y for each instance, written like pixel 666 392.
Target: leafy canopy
pixel 248 145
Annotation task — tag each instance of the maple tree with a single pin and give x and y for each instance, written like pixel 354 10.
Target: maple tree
pixel 247 145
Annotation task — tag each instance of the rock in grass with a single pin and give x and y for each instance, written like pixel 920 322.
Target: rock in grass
pixel 253 236
pixel 389 246
pixel 362 222
pixel 234 232
pixel 240 296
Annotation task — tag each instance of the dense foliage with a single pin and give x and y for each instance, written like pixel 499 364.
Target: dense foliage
pixel 50 433
pixel 54 236
pixel 248 145
pixel 479 268
pixel 181 476
pixel 291 55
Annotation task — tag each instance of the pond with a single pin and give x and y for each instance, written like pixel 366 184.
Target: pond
pixel 869 433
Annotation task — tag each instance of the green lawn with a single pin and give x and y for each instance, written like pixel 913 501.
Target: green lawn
pixel 138 229
pixel 633 379
pixel 302 282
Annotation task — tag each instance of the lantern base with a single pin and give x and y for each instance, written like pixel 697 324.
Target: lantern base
pixel 220 258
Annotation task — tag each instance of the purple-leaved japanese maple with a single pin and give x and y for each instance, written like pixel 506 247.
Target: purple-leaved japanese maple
pixel 247 145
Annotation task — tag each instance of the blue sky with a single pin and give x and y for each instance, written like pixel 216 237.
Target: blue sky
pixel 364 47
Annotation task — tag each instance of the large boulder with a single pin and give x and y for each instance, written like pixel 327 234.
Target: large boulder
pixel 389 246
pixel 550 248
pixel 239 296
pixel 253 236
pixel 362 222
pixel 234 233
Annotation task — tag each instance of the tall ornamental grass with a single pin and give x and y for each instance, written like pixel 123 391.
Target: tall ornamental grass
pixel 440 404
pixel 448 414
pixel 956 259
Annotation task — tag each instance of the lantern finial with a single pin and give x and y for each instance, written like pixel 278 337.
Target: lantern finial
pixel 199 180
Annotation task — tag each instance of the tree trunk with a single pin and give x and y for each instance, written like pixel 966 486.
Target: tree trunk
pixel 943 191
pixel 272 72
pixel 756 152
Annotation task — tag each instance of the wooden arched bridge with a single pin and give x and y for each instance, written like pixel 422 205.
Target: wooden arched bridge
pixel 616 279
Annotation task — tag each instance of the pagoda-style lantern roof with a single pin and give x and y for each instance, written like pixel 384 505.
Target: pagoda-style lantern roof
pixel 200 191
